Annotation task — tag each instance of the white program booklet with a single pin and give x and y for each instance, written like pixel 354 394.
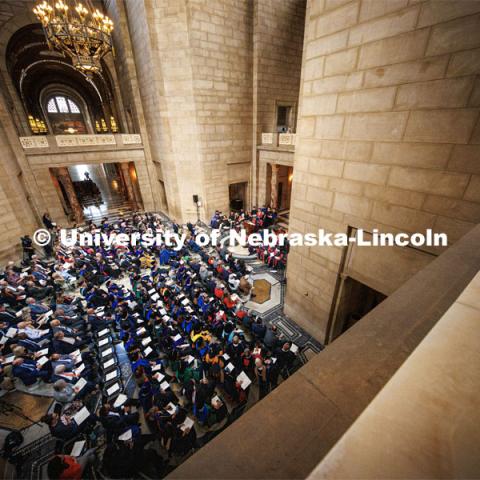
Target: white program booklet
pixel 9 360
pixel 11 332
pixel 294 348
pixel 159 376
pixel 244 380
pixel 148 351
pixel 109 363
pixel 113 389
pixel 76 353
pixel 111 376
pixel 164 385
pixel 103 332
pixel 79 369
pixel 187 424
pixel 126 435
pixel 42 361
pixel 155 297
pixel 69 340
pixel 81 416
pixel 229 368
pixel 107 352
pixel 77 448
pixel 80 384
pixel 156 367
pixel 103 342
pixel 146 341
pixel 120 400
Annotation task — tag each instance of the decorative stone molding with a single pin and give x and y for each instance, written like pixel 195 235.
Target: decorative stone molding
pixel 84 140
pixel 267 138
pixel 131 138
pixel 105 139
pixel 34 142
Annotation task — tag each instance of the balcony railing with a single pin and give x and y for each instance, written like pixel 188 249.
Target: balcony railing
pixel 278 139
pixel 69 141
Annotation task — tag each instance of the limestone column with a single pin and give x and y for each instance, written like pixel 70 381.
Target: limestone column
pixel 274 187
pixel 65 179
pixel 127 180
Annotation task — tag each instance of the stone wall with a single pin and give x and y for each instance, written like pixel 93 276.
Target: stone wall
pixel 19 203
pixel 388 135
pixel 277 56
pixel 221 47
pixel 278 37
pixel 193 62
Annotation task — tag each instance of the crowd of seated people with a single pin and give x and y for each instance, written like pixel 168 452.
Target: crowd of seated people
pixel 194 350
pixel 273 256
pixel 257 219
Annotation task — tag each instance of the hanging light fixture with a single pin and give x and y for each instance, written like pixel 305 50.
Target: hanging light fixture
pixel 81 32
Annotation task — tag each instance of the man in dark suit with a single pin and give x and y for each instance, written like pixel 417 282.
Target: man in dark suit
pixel 27 371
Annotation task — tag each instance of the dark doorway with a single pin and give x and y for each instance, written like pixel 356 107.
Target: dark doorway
pixel 100 189
pixel 238 195
pixel 356 300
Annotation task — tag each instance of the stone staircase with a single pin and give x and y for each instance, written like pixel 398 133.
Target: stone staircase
pixel 283 219
pixel 112 208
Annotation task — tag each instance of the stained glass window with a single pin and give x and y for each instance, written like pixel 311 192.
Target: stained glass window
pixel 62 104
pixel 51 106
pixel 73 107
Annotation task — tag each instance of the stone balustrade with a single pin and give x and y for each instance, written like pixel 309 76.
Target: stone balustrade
pixel 75 141
pixel 278 139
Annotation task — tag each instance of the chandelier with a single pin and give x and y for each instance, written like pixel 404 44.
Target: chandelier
pixel 83 33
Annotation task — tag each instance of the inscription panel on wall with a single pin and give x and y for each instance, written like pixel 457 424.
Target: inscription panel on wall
pixel 84 140
pixel 267 138
pixel 286 139
pixel 131 138
pixel 34 142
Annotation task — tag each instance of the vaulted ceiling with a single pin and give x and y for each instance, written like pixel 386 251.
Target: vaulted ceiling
pixel 33 66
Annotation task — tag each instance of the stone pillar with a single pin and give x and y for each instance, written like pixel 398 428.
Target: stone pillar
pixel 127 180
pixel 274 187
pixel 65 179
